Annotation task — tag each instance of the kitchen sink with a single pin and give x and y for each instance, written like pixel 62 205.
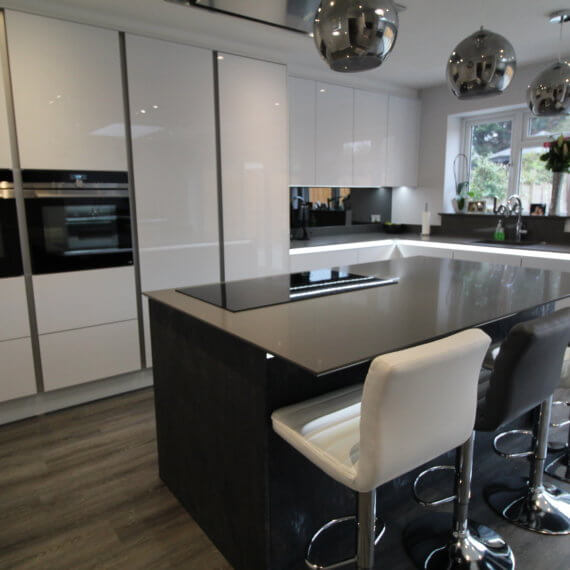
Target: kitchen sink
pixel 510 242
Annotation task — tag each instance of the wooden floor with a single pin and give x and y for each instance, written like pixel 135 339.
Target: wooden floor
pixel 79 489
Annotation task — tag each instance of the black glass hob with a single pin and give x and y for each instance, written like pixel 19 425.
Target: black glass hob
pixel 264 291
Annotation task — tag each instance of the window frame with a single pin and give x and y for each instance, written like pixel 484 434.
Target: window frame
pixel 520 140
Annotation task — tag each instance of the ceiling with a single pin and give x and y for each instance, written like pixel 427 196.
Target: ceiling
pixel 429 30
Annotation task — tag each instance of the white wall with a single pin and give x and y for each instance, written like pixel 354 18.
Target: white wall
pixel 439 143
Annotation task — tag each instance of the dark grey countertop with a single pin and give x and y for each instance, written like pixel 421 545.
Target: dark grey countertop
pixel 434 298
pixel 435 238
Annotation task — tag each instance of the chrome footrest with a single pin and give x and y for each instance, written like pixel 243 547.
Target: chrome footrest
pixel 511 432
pixel 350 521
pixel 419 478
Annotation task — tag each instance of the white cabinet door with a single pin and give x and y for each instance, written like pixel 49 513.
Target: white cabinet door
pixel 84 298
pixel 323 259
pixel 67 91
pixel 174 153
pixel 13 309
pixel 376 253
pixel 370 133
pixel 77 356
pixel 5 153
pixel 403 141
pixel 488 257
pixel 17 377
pixel 334 135
pixel 254 150
pixel 302 125
pixel 410 250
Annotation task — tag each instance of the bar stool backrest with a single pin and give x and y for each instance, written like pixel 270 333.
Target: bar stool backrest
pixel 418 403
pixel 527 369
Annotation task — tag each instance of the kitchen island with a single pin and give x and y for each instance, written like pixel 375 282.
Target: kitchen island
pixel 219 375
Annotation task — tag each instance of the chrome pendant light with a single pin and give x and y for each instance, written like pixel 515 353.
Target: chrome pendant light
pixel 549 93
pixel 482 64
pixel 355 35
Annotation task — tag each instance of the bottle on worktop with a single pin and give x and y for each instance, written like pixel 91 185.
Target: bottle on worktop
pixel 499 234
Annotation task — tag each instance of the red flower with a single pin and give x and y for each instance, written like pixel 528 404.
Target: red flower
pixel 546 145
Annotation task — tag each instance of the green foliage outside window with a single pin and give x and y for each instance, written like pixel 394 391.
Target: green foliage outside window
pixel 488 178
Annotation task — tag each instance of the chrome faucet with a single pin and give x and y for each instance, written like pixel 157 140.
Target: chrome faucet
pixel 514 206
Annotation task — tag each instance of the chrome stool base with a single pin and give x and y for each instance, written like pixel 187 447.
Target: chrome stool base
pixel 477 548
pixel 545 510
pixel 344 527
pixel 559 468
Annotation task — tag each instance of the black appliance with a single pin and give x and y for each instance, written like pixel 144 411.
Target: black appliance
pixel 10 254
pixel 247 294
pixel 77 219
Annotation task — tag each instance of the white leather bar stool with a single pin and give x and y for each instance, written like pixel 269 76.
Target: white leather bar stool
pixel 415 404
pixel 560 466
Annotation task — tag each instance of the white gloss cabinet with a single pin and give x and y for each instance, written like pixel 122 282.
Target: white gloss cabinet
pixel 370 132
pixel 17 377
pixel 5 153
pixel 334 135
pixel 302 125
pixel 77 299
pixel 67 92
pixel 13 309
pixel 174 153
pixel 254 164
pixel 81 355
pixel 403 141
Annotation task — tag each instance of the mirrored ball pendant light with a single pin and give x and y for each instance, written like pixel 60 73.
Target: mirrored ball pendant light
pixel 354 35
pixel 549 93
pixel 482 64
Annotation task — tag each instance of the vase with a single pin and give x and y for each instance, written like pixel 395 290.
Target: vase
pixel 555 208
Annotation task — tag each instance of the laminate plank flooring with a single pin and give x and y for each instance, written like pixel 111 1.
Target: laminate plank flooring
pixel 79 489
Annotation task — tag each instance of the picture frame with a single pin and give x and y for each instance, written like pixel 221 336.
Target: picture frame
pixel 538 209
pixel 477 206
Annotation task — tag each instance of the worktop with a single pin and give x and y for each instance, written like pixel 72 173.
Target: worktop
pixel 433 297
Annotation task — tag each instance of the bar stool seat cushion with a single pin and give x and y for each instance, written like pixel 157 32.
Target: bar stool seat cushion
pixel 565 376
pixel 326 430
pixel 415 404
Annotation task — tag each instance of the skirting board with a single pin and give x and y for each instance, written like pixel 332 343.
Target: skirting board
pixel 38 404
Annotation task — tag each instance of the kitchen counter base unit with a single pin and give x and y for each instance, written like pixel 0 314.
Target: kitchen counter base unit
pixel 257 499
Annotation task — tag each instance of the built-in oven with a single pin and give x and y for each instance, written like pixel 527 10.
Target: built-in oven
pixel 77 219
pixel 10 254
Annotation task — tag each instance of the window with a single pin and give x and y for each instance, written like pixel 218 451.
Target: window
pixel 503 153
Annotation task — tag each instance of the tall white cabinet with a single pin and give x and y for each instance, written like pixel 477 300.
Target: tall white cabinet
pixel 67 90
pixel 302 131
pixel 171 90
pixel 254 150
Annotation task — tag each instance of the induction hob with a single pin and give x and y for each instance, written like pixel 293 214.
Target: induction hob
pixel 247 294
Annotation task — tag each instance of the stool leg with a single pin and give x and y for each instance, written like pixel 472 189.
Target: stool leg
pixel 537 507
pixel 366 530
pixel 471 545
pixel 559 468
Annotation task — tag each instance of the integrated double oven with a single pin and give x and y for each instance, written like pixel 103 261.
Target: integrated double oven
pixel 10 254
pixel 77 219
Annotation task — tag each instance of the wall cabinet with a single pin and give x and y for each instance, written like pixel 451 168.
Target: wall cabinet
pixel 67 91
pixel 302 131
pixel 341 136
pixel 254 145
pixel 334 135
pixel 369 146
pixel 403 141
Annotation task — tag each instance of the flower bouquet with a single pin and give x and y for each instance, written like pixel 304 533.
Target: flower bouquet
pixel 557 159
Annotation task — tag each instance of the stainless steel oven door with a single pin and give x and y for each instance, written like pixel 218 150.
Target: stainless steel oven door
pixel 72 230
